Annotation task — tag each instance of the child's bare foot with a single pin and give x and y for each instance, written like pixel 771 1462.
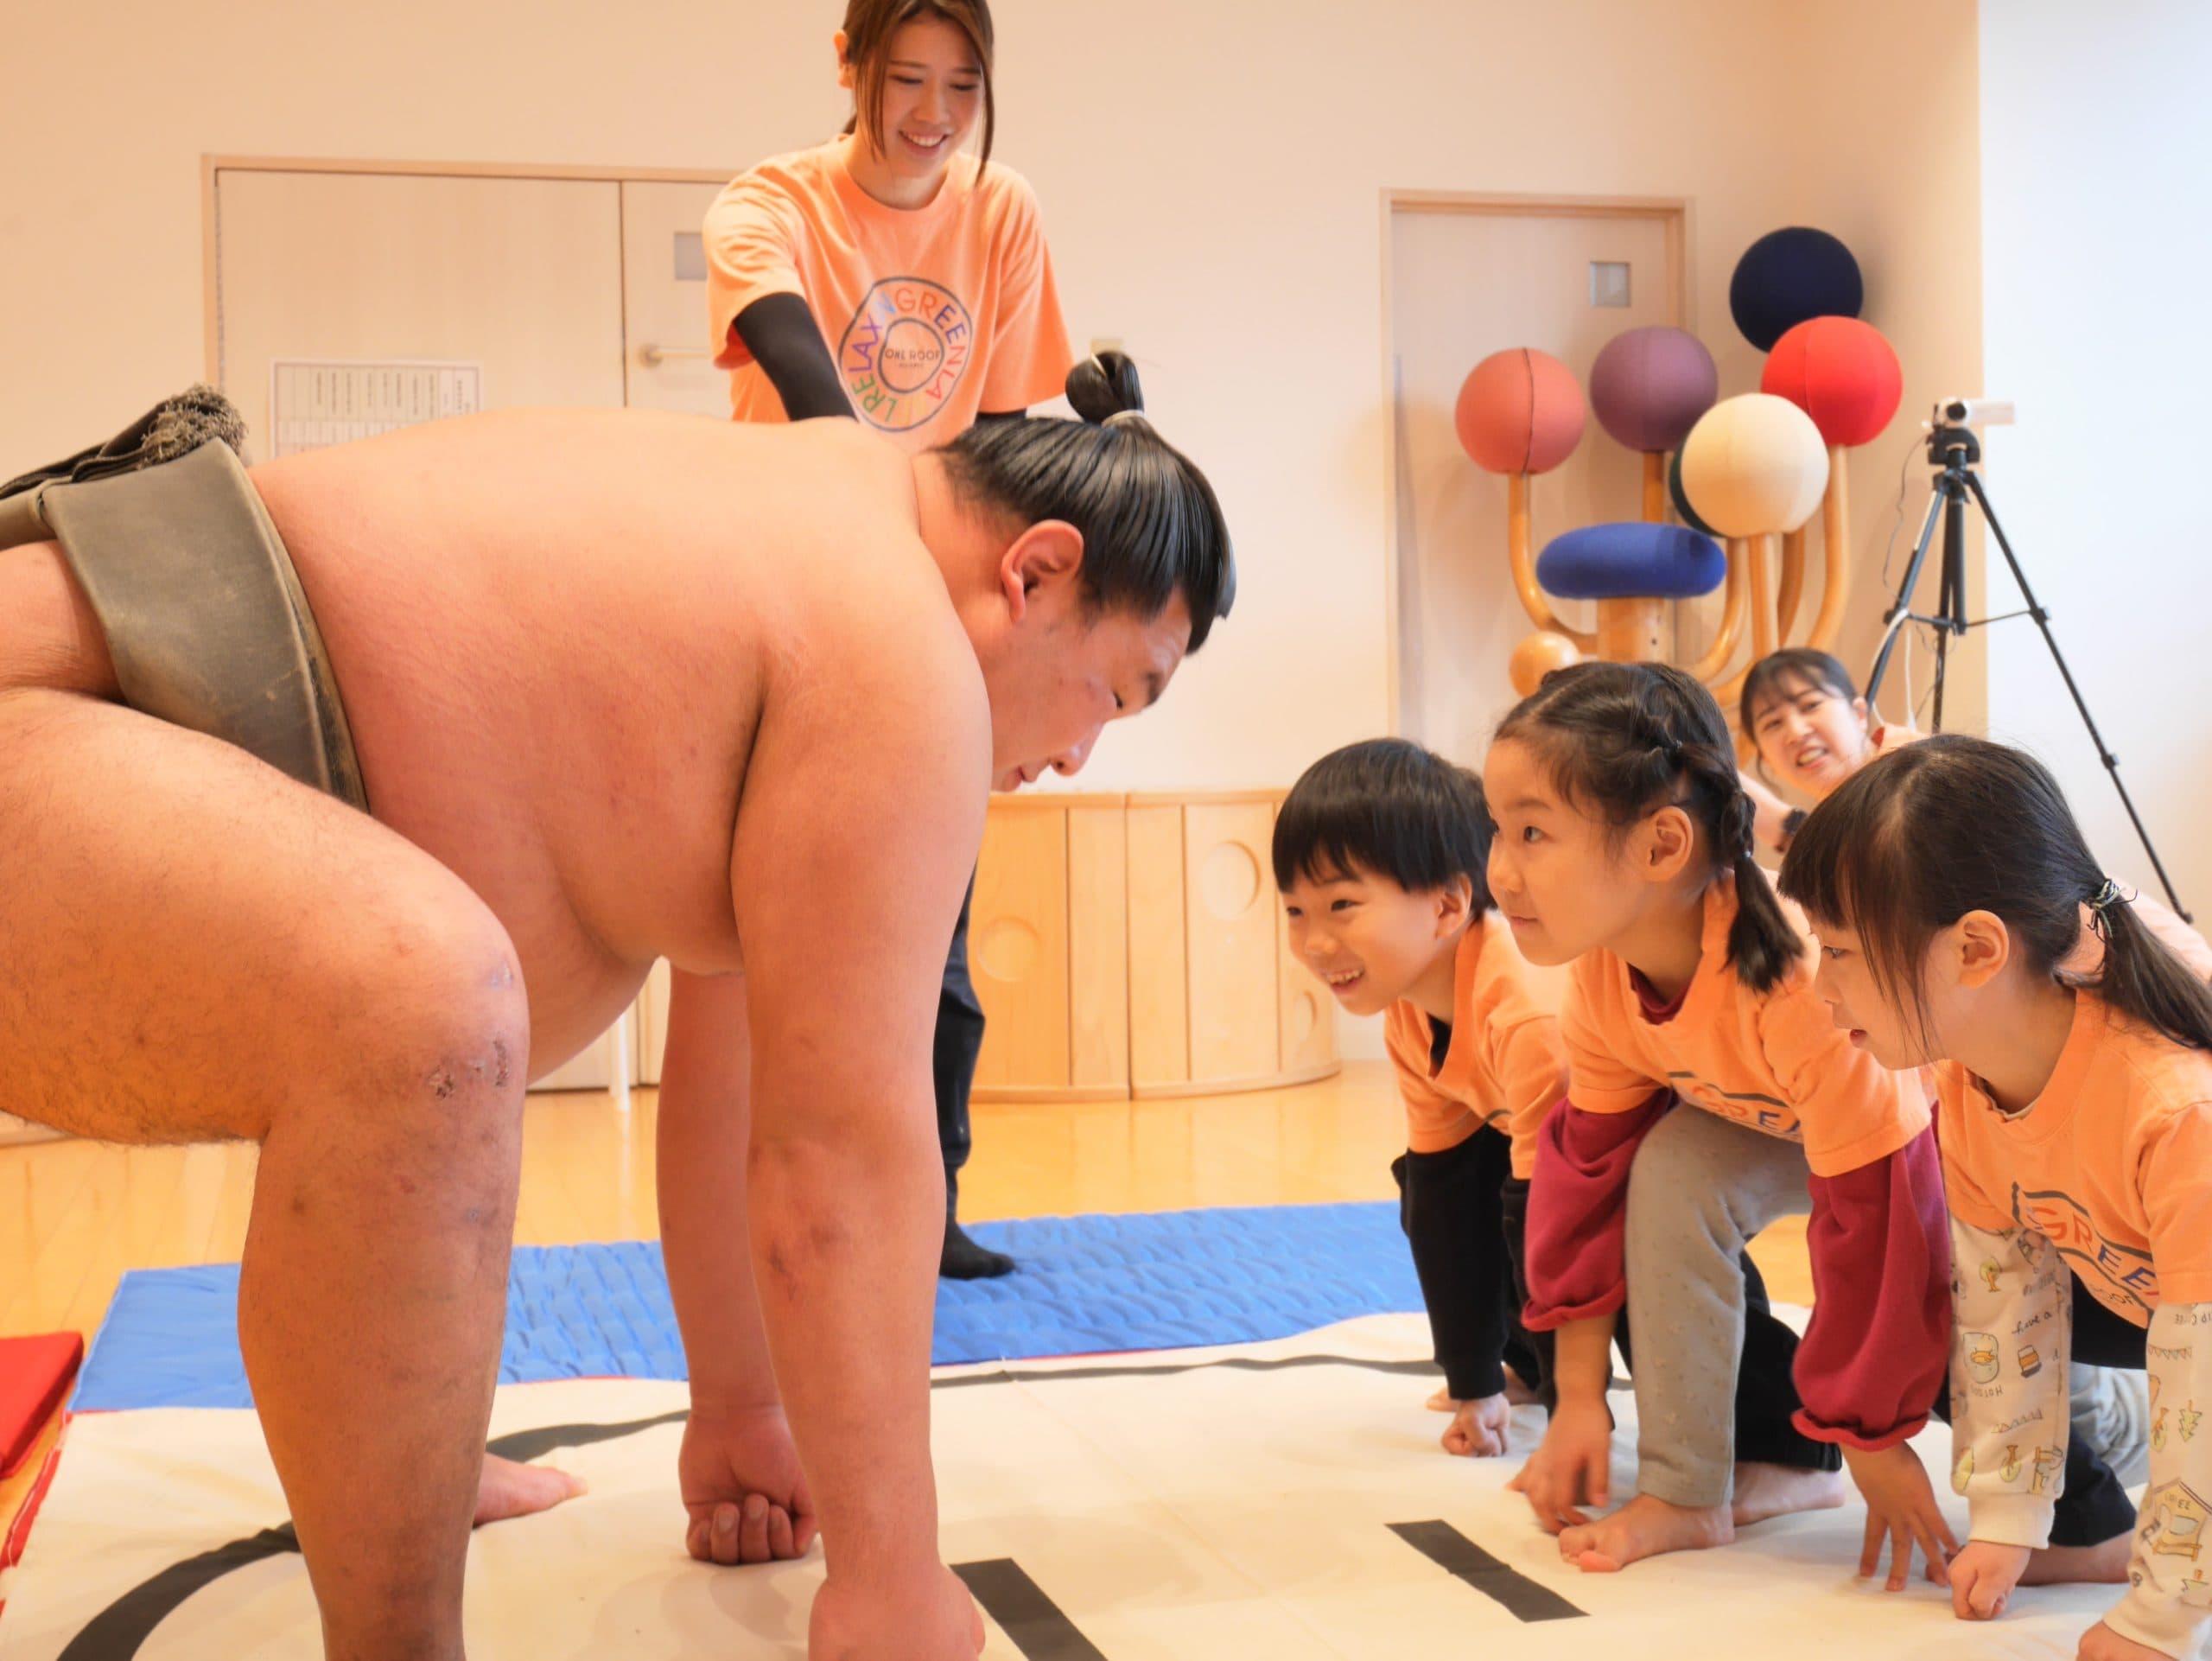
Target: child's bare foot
pixel 1442 1401
pixel 2080 1565
pixel 1644 1527
pixel 1518 1391
pixel 1764 1491
pixel 507 1489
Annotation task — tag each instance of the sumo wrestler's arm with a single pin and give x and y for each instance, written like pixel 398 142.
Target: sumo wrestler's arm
pixel 862 813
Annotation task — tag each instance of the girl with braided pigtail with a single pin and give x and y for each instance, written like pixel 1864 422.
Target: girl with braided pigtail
pixel 1707 1093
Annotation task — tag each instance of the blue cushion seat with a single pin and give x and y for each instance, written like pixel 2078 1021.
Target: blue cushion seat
pixel 1631 561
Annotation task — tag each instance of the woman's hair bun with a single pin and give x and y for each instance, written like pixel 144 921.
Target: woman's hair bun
pixel 1104 385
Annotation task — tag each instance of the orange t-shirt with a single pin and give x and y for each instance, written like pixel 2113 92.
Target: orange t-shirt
pixel 932 314
pixel 1775 1062
pixel 2111 1163
pixel 1502 1068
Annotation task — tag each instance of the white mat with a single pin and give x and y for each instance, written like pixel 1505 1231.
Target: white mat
pixel 1196 1515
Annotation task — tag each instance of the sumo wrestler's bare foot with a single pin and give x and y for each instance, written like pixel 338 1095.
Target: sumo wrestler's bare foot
pixel 1646 1527
pixel 508 1490
pixel 2080 1565
pixel 1764 1491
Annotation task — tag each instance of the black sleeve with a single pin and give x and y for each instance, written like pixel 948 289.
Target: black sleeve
pixel 1449 1206
pixel 1538 1347
pixel 780 331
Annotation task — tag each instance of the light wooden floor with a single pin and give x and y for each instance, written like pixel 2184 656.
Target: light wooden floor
pixel 75 1215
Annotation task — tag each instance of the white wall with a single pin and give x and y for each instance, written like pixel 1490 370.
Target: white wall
pixel 2097 141
pixel 1210 176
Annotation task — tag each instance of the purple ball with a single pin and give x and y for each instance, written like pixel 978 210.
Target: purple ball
pixel 1649 385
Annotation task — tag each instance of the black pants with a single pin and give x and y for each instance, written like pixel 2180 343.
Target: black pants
pixel 1451 1206
pixel 1766 1390
pixel 959 1042
pixel 2093 1507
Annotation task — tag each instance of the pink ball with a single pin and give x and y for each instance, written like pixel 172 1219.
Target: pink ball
pixel 1520 411
pixel 1649 385
pixel 1841 372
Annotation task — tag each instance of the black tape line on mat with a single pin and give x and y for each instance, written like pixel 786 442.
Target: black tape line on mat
pixel 524 1446
pixel 1457 1556
pixel 117 1632
pixel 1032 1620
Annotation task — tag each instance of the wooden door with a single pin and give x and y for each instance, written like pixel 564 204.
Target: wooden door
pixel 520 279
pixel 1466 280
pixel 667 361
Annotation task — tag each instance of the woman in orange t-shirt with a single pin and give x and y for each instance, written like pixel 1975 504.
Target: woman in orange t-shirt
pixel 2077 1125
pixel 890 274
pixel 892 277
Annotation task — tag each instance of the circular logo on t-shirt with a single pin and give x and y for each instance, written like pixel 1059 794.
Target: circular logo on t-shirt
pixel 905 351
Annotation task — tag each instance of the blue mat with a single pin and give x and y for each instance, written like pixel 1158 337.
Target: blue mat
pixel 1087 1285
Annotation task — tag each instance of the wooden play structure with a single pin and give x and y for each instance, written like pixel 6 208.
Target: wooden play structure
pixel 1133 947
pixel 1746 478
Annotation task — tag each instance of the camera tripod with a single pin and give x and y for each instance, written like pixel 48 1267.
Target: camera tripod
pixel 1954 451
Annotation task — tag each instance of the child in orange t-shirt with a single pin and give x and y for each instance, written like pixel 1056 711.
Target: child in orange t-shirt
pixel 1707 1094
pixel 2076 1122
pixel 1379 851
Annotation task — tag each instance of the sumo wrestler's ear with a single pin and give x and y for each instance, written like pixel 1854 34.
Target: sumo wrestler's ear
pixel 1049 552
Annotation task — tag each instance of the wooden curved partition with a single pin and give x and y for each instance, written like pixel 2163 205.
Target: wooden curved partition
pixel 1134 946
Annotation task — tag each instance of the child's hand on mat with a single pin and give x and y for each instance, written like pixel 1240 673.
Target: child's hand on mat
pixel 739 1476
pixel 1983 1574
pixel 2100 1643
pixel 1901 1507
pixel 1477 1429
pixel 1572 1468
pixel 923 1614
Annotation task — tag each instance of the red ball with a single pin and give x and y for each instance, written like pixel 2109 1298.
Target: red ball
pixel 1841 372
pixel 1520 411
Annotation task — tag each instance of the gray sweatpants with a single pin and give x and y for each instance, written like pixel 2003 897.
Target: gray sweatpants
pixel 1700 1189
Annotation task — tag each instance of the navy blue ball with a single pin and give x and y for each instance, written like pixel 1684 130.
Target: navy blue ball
pixel 1789 276
pixel 1688 515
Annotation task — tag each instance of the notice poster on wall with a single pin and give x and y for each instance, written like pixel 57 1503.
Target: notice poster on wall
pixel 315 403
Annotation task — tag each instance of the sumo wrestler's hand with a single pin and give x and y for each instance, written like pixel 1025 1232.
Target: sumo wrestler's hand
pixel 739 1476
